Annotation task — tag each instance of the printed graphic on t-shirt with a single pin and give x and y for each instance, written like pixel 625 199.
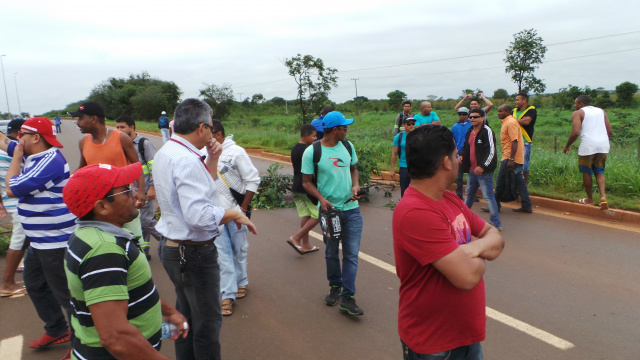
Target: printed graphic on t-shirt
pixel 337 162
pixel 461 229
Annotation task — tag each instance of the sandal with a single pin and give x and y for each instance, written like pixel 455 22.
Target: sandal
pixel 586 201
pixel 242 291
pixel 227 306
pixel 603 204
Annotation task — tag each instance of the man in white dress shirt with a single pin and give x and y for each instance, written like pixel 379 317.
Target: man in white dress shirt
pixel 191 220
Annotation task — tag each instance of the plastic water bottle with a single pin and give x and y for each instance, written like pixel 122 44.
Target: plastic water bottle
pixel 168 330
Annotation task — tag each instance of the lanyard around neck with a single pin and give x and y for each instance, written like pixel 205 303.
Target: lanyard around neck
pixel 190 149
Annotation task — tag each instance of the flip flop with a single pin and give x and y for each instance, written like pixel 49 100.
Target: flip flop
pixel 585 202
pixel 603 204
pixel 313 249
pixel 21 291
pixel 295 247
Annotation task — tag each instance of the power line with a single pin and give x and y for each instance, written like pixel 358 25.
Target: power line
pixel 499 67
pixel 468 56
pixel 484 54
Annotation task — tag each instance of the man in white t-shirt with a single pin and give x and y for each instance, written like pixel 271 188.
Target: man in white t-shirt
pixel 593 127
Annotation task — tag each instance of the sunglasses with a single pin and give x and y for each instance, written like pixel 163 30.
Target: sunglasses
pixel 475 117
pixel 462 114
pixel 343 127
pixel 208 126
pixel 22 133
pixel 121 192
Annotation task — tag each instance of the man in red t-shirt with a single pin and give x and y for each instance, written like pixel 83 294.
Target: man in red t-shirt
pixel 441 261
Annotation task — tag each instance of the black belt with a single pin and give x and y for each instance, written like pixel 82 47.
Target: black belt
pixel 176 243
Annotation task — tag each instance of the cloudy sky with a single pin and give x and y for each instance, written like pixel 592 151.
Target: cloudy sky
pixel 57 52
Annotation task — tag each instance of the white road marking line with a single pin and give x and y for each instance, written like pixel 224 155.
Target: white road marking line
pixel 11 348
pixel 491 313
pixel 528 329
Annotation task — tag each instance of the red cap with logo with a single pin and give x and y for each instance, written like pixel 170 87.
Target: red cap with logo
pixel 43 127
pixel 92 183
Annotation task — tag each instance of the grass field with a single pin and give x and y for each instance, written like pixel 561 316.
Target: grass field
pixel 553 174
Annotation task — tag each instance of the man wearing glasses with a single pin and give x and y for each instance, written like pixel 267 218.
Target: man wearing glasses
pixel 37 175
pixel 337 187
pixel 191 220
pixel 478 158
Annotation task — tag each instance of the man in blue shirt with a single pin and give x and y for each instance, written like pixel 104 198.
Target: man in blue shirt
pixel 36 176
pixel 459 131
pixel 426 116
pixel 399 142
pixel 317 123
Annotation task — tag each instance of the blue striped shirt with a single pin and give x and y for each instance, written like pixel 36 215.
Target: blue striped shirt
pixel 10 204
pixel 45 218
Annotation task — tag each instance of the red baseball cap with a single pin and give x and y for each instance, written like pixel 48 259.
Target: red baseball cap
pixel 91 183
pixel 43 127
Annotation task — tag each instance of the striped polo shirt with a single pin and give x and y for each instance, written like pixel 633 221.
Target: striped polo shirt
pixel 45 218
pixel 103 263
pixel 10 203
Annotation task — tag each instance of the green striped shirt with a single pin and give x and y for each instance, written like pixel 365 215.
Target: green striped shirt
pixel 103 263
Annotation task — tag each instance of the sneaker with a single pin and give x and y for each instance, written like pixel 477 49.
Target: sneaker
pixel 334 294
pixel 350 307
pixel 47 340
pixel 499 228
pixel 524 210
pixel 68 356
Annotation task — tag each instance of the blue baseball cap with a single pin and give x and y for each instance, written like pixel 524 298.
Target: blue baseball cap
pixel 335 118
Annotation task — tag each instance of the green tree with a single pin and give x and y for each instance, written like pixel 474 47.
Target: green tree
pixel 140 95
pixel 314 82
pixel 220 98
pixel 605 101
pixel 625 92
pixel 523 56
pixel 257 99
pixel 396 98
pixel 278 101
pixel 566 97
pixel 501 94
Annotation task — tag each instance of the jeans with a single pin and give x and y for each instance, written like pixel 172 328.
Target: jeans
pixel 485 182
pixel 527 156
pixel 468 352
pixel 58 129
pixel 521 186
pixel 351 222
pixel 405 180
pixel 46 283
pixel 166 134
pixel 459 182
pixel 232 247
pixel 198 298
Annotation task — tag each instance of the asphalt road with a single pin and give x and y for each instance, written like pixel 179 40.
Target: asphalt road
pixel 562 289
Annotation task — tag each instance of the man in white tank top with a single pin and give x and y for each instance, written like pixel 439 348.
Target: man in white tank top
pixel 592 126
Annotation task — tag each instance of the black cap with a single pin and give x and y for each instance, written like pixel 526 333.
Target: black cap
pixel 88 108
pixel 15 125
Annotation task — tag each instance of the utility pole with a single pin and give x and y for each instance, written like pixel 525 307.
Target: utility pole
pixel 355 82
pixel 240 96
pixel 17 94
pixel 5 85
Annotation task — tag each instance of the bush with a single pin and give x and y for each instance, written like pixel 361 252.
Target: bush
pixel 5 238
pixel 273 187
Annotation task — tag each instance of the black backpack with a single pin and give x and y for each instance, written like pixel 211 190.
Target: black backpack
pixel 143 159
pixel 317 154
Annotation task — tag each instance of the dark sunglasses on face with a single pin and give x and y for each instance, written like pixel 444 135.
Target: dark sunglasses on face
pixel 343 127
pixel 475 117
pixel 121 192
pixel 460 114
